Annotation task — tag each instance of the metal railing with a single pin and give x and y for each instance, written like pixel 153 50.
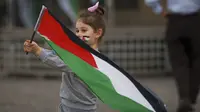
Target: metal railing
pixel 138 51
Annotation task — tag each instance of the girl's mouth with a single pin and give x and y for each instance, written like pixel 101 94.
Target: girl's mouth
pixel 85 38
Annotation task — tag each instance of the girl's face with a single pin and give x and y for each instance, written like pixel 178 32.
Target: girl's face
pixel 87 33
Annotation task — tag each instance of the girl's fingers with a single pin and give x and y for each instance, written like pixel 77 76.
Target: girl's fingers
pixel 25 50
pixel 30 47
pixel 28 41
pixel 29 44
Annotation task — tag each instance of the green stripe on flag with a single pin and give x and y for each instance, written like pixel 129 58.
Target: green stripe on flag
pixel 97 82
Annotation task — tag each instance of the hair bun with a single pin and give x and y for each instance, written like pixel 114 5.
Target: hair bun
pixel 100 11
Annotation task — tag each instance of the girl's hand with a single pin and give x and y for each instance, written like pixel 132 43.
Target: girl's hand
pixel 32 47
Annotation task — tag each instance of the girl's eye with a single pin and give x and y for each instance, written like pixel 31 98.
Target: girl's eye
pixel 83 30
pixel 77 31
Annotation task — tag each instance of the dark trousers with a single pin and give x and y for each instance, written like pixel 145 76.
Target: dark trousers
pixel 183 39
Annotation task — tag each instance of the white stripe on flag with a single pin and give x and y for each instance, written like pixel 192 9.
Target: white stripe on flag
pixel 121 83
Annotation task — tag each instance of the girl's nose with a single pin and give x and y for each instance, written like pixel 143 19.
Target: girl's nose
pixel 78 35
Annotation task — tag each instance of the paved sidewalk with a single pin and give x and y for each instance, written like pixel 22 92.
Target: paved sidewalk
pixel 25 95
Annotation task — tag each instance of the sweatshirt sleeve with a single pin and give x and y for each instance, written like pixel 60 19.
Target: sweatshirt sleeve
pixel 50 58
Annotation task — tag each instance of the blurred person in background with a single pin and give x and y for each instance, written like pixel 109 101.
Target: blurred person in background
pixel 183 40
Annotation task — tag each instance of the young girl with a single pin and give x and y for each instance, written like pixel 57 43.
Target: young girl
pixel 75 95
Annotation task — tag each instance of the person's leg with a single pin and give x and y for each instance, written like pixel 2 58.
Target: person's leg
pixel 186 106
pixel 179 60
pixel 195 58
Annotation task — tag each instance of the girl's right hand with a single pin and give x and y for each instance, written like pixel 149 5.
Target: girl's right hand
pixel 32 47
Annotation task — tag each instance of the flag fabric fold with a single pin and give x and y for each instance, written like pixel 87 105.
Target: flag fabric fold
pixel 110 83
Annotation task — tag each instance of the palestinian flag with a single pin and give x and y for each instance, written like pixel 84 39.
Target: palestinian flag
pixel 110 83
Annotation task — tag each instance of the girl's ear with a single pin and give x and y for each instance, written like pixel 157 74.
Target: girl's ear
pixel 99 33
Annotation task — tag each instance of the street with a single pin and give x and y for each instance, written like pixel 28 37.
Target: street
pixel 31 95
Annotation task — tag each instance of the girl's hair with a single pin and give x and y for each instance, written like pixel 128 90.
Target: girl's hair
pixel 95 19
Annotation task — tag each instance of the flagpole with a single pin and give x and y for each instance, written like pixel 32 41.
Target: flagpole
pixel 36 25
